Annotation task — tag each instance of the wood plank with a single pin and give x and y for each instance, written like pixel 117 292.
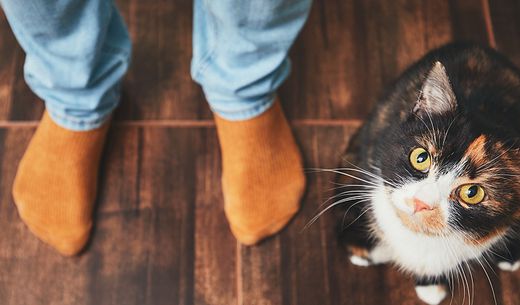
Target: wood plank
pixel 25 262
pixel 310 267
pixel 158 85
pixel 163 185
pixel 8 55
pixel 506 27
pixel 347 284
pixel 468 21
pixel 161 235
pixel 306 251
pixel 292 267
pixel 16 100
pixel 215 246
pixel 346 54
pixel 139 253
pixel 350 50
pixel 510 281
pixel 261 281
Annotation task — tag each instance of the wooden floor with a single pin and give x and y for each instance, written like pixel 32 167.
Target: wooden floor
pixel 161 236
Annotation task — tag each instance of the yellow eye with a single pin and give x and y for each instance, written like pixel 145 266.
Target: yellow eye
pixel 471 193
pixel 420 159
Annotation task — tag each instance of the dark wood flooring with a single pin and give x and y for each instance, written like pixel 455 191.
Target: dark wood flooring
pixel 161 236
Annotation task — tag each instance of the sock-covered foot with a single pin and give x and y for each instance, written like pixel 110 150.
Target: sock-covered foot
pixel 263 178
pixel 55 186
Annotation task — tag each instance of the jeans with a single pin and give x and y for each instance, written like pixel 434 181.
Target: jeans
pixel 76 54
pixel 240 51
pixel 78 51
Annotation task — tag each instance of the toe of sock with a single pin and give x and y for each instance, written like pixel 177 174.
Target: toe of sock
pixel 68 240
pixel 66 243
pixel 250 234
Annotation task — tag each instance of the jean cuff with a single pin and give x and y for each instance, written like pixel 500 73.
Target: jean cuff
pixel 258 107
pixel 76 124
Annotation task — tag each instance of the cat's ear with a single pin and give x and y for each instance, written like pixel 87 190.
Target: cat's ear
pixel 437 96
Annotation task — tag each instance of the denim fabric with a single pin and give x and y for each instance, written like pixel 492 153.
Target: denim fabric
pixel 76 54
pixel 78 51
pixel 240 51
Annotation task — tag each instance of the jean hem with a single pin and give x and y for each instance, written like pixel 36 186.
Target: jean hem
pixel 242 115
pixel 75 124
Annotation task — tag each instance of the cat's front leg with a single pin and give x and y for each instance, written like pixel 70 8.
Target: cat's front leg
pixel 364 256
pixel 431 291
pixel 508 258
pixel 363 248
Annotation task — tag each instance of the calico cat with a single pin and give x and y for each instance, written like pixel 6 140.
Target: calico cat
pixel 437 170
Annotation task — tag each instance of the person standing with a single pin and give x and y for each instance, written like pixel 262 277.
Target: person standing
pixel 76 55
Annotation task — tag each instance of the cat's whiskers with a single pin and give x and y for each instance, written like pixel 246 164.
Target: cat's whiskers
pixel 477 258
pixel 361 195
pixel 315 218
pixel 472 290
pixel 495 159
pixel 448 130
pixel 431 137
pixel 348 210
pixel 343 194
pixel 451 275
pixel 465 285
pixel 460 274
pixel 434 131
pixel 489 279
pixel 372 175
pixel 367 172
pixel 467 236
pixel 360 215
pixel 344 174
pixel 340 186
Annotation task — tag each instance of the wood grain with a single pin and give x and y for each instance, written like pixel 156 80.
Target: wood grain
pixel 506 27
pixel 346 54
pixel 349 51
pixel 215 248
pixel 161 236
pixel 17 102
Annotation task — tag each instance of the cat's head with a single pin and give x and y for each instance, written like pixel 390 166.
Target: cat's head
pixel 448 171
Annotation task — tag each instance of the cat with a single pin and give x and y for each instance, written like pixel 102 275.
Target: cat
pixel 432 181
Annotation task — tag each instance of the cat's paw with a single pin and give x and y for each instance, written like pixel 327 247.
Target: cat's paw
pixel 508 266
pixel 431 294
pixel 360 261
pixel 359 256
pixel 366 257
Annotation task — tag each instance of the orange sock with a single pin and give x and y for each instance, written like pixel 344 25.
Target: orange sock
pixel 55 186
pixel 263 178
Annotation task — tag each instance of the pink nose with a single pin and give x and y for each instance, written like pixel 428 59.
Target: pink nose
pixel 420 205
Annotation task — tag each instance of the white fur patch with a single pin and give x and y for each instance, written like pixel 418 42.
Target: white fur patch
pixel 431 294
pixel 379 255
pixel 432 190
pixel 424 255
pixel 507 266
pixel 359 261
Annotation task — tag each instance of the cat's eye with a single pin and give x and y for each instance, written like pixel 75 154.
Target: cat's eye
pixel 420 159
pixel 471 193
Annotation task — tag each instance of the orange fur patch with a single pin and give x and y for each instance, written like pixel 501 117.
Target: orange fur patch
pixel 427 222
pixel 358 251
pixel 472 63
pixel 484 239
pixel 476 151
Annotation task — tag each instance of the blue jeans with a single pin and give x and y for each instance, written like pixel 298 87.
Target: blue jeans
pixel 76 54
pixel 240 51
pixel 78 51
